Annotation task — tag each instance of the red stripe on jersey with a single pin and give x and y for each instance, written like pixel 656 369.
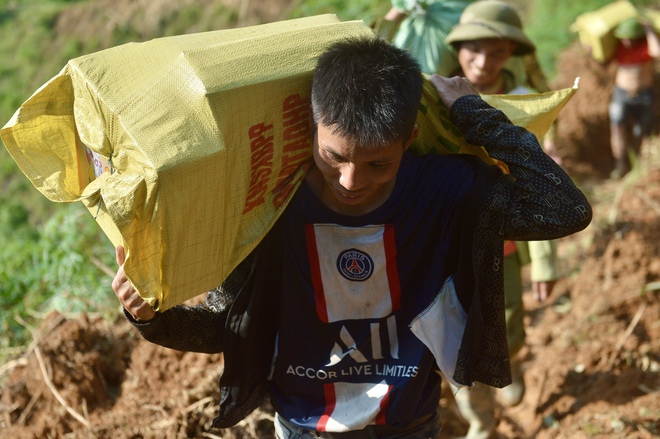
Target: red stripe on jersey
pixel 315 268
pixel 330 401
pixel 384 404
pixel 392 270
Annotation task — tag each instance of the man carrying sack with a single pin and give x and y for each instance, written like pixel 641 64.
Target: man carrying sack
pixel 385 267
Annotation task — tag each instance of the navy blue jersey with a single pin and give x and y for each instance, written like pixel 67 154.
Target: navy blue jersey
pixel 351 288
pixel 362 304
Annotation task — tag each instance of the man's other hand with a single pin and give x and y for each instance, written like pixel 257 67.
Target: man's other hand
pixel 450 89
pixel 127 295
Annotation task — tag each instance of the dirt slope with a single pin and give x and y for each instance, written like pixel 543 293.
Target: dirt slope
pixel 592 361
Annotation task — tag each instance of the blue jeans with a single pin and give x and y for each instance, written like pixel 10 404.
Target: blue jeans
pixel 427 430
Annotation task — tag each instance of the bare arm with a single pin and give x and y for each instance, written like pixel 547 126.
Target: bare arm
pixel 653 41
pixel 395 15
pixel 127 295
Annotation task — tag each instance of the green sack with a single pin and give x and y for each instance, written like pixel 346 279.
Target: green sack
pixel 424 30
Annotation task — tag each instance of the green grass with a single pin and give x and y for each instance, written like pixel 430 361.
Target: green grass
pixel 50 267
pixel 365 10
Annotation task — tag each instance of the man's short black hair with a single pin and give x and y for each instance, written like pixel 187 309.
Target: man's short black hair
pixel 368 90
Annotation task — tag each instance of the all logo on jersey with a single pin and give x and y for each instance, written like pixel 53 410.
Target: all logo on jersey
pixel 355 265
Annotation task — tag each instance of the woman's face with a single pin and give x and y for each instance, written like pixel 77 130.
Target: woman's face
pixel 482 60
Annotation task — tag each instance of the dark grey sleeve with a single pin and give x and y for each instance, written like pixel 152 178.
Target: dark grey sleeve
pixel 198 328
pixel 540 201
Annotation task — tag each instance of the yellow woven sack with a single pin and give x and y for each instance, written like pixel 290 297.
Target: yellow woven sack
pixel 652 16
pixel 595 28
pixel 437 135
pixel 186 149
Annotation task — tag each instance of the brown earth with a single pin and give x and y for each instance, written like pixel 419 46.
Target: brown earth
pixel 592 363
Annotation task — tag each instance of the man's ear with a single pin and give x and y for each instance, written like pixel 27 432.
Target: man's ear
pixel 413 135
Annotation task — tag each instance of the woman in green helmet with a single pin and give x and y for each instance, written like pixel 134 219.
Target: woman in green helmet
pixel 488 35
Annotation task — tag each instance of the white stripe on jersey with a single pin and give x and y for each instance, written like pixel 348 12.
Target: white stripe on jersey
pixel 354 271
pixel 354 404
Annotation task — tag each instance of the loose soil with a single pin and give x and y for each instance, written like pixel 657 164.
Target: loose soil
pixel 592 361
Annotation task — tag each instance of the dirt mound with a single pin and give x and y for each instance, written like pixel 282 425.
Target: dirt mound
pixel 86 378
pixel 593 361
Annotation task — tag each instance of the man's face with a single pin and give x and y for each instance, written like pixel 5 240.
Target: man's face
pixel 482 60
pixel 355 180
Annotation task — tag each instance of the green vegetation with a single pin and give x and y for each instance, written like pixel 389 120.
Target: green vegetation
pixel 55 256
pixel 366 10
pixel 50 267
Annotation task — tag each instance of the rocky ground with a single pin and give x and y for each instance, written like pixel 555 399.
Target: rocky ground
pixel 592 363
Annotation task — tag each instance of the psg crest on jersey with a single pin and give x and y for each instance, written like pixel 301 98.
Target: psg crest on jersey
pixel 355 265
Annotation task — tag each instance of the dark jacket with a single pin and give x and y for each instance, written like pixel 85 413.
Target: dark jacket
pixel 536 201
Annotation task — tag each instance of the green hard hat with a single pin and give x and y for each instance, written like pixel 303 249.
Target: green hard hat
pixel 630 29
pixel 487 19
